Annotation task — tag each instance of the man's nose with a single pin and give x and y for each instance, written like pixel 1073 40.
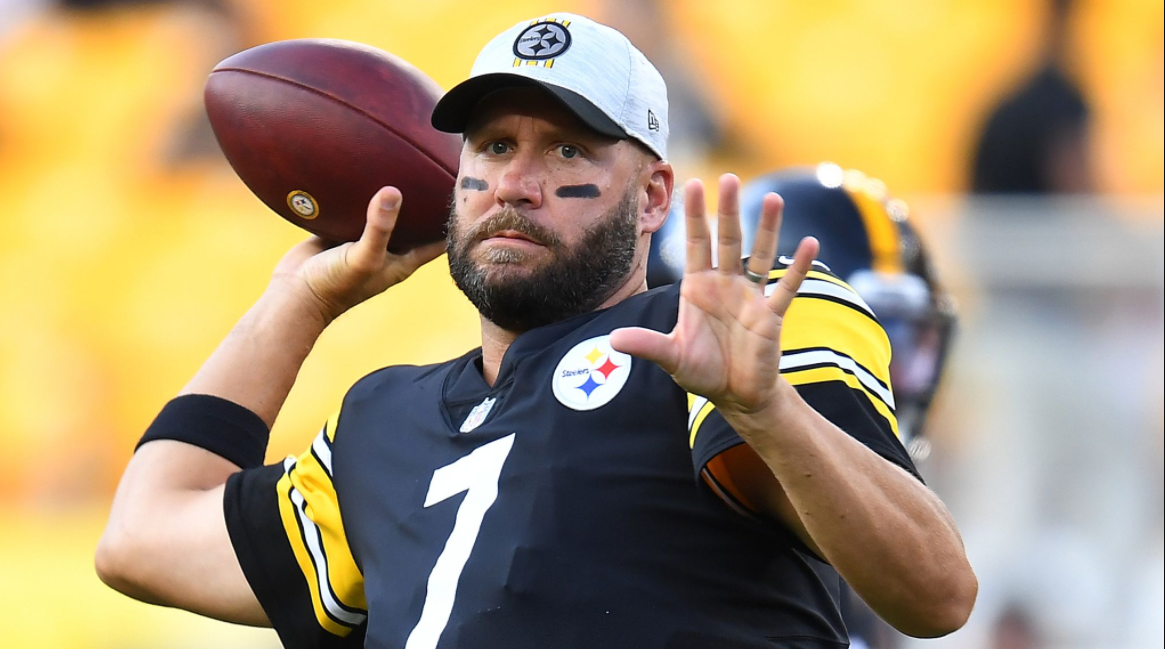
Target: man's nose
pixel 520 183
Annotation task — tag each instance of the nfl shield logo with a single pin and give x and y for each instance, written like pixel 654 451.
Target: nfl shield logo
pixel 478 414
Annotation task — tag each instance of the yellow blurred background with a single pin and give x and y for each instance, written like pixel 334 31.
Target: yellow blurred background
pixel 130 248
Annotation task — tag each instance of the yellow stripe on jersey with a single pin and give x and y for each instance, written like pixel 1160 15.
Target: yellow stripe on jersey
pixel 777 273
pixel 824 324
pixel 828 328
pixel 706 408
pixel 814 324
pixel 866 341
pixel 816 274
pixel 311 519
pixel 826 374
pixel 330 427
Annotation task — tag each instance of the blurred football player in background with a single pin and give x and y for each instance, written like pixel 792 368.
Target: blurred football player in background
pixel 868 241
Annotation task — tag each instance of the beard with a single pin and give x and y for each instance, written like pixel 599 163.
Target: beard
pixel 576 280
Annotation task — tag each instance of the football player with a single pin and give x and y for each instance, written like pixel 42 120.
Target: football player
pixel 556 487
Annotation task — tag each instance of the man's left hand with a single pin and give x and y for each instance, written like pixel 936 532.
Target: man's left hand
pixel 726 342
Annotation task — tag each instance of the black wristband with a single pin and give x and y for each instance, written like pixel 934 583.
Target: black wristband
pixel 220 426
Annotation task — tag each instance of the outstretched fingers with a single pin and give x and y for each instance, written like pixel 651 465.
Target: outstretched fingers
pixel 728 225
pixel 699 241
pixel 790 282
pixel 764 247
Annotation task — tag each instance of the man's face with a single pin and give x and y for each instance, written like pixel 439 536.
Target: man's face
pixel 545 222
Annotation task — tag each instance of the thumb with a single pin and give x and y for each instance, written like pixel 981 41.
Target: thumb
pixel 646 344
pixel 368 253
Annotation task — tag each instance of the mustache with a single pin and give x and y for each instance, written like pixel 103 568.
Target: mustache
pixel 510 219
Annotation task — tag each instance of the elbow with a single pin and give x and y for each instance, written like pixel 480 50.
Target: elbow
pixel 117 566
pixel 945 611
pixel 110 562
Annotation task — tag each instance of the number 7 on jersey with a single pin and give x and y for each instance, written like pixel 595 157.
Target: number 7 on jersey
pixel 477 474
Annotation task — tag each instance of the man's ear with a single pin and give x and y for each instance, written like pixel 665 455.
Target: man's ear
pixel 659 179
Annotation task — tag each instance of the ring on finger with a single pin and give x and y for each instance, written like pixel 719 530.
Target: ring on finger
pixel 753 276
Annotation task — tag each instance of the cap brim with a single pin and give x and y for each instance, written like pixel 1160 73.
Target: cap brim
pixel 453 112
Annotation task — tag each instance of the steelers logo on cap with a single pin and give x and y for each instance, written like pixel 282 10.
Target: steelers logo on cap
pixel 542 41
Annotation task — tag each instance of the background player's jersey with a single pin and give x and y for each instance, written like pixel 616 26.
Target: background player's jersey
pixel 556 509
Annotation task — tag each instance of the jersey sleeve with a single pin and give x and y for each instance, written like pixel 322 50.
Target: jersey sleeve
pixel 837 356
pixel 285 524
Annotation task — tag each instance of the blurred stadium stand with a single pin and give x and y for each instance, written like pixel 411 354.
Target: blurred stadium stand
pixel 129 250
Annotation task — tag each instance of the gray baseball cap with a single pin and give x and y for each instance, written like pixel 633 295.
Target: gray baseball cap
pixel 591 68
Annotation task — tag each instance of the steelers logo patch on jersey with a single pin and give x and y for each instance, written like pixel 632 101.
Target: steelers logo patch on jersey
pixel 590 374
pixel 542 41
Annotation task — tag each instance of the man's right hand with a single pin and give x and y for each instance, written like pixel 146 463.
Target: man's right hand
pixel 335 278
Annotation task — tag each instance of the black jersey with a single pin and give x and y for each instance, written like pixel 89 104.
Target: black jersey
pixel 560 508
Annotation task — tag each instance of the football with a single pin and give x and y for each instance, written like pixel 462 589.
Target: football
pixel 314 127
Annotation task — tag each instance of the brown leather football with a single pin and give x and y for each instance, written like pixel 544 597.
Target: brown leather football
pixel 315 127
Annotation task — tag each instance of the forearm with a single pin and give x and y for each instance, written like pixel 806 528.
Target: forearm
pixel 254 367
pixel 256 364
pixel 888 535
pixel 166 540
